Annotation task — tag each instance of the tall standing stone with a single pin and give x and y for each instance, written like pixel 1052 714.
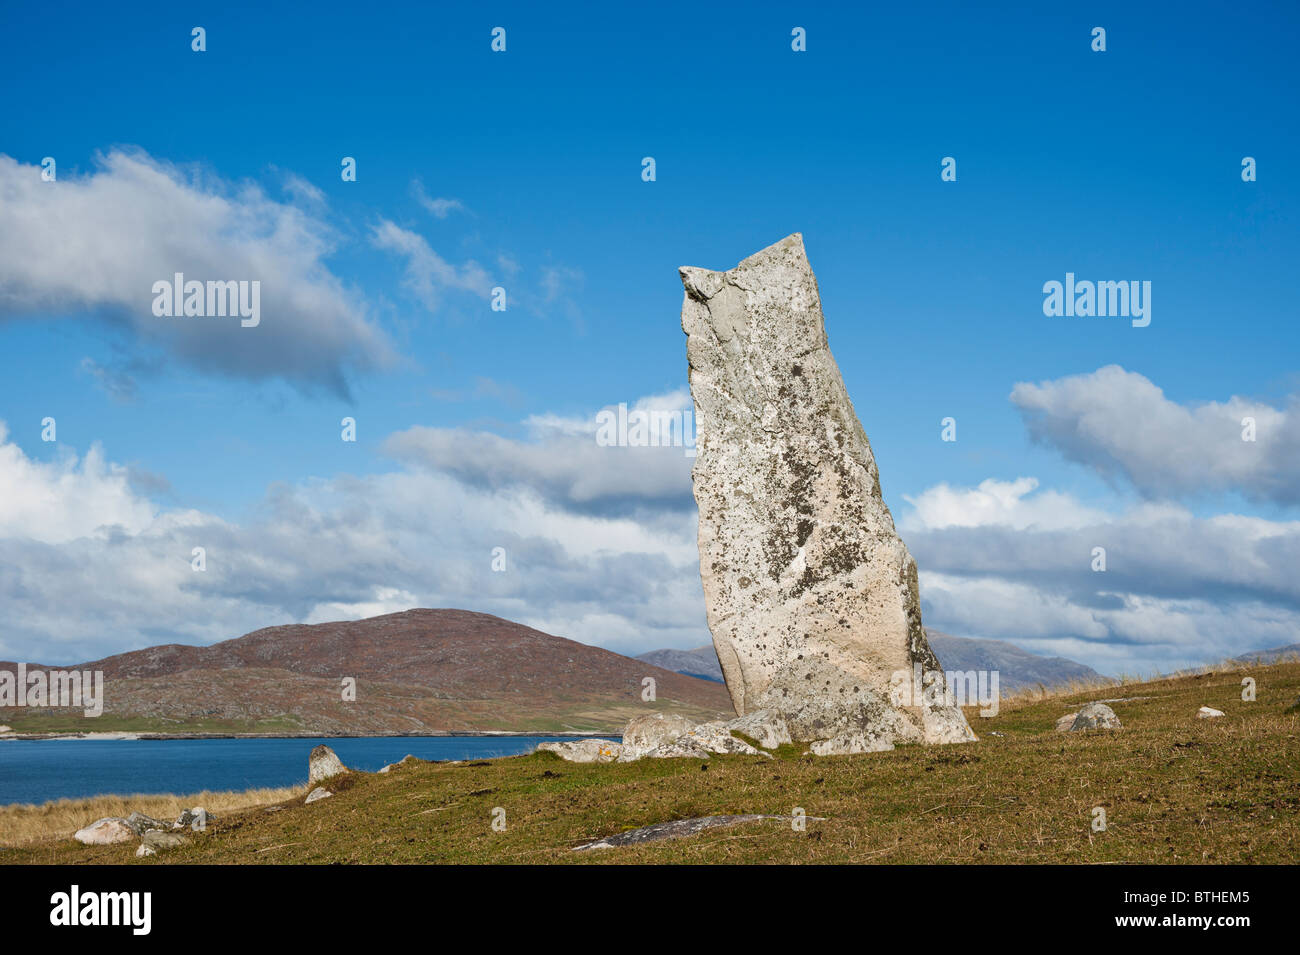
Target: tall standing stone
pixel 811 594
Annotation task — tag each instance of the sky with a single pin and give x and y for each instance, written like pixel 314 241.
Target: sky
pixel 523 170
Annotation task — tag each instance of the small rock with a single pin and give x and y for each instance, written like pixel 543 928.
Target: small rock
pixel 318 793
pixel 195 819
pixel 145 850
pixel 1096 716
pixel 322 764
pixel 157 839
pixel 1066 722
pixel 1208 713
pixel 584 750
pixel 106 832
pixel 408 758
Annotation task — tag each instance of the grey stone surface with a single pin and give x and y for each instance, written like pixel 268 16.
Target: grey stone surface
pixel 810 593
pixel 322 764
pixel 1095 716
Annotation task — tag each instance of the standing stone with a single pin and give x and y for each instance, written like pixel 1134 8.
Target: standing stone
pixel 811 595
pixel 322 764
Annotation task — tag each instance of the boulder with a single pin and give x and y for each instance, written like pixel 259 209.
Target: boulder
pixel 1208 713
pixel 108 831
pixel 644 733
pixel 322 764
pixel 810 593
pixel 715 737
pixel 1096 716
pixel 584 750
pixel 687 747
pixel 157 839
pixel 320 792
pixel 848 744
pixel 763 727
pixel 1066 722
pixel 195 819
pixel 139 822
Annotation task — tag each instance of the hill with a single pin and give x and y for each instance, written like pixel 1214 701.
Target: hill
pixel 419 671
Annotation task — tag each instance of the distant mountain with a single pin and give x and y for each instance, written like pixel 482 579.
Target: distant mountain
pixel 1268 656
pixel 1016 667
pixel 702 662
pixel 416 672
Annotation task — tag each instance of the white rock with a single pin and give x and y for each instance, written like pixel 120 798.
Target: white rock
pixel 1208 713
pixel 318 793
pixel 644 733
pixel 144 850
pixel 108 831
pixel 763 727
pixel 322 764
pixel 811 595
pixel 1066 722
pixel 714 737
pixel 1095 716
pixel 584 750
pixel 408 758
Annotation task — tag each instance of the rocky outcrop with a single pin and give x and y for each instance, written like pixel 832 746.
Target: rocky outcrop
pixel 811 594
pixel 1095 716
pixel 322 764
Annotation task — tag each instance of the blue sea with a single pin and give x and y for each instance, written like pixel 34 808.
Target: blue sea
pixel 36 771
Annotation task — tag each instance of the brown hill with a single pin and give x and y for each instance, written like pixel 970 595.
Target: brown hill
pixel 418 671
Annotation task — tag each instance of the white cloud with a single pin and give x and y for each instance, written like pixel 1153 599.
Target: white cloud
pixel 1004 503
pixel 97 243
pixel 428 274
pixel 70 498
pixel 438 207
pixel 1120 423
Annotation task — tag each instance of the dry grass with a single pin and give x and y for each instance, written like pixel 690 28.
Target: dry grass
pixel 24 824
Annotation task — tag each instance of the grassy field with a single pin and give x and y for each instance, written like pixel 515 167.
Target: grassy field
pixel 1175 789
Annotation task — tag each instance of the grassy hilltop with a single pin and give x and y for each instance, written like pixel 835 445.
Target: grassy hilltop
pixel 1175 789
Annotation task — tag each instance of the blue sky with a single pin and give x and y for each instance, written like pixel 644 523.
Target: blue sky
pixel 1117 165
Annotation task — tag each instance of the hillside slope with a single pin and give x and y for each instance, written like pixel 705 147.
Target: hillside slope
pixel 417 671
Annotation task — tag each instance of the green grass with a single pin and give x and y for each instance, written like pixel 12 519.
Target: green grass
pixel 1175 790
